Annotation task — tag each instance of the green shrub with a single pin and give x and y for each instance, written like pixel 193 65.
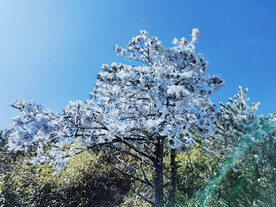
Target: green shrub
pixel 86 181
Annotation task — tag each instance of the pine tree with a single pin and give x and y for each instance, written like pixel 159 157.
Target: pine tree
pixel 136 110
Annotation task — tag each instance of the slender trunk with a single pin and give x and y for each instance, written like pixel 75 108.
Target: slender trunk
pixel 158 194
pixel 171 200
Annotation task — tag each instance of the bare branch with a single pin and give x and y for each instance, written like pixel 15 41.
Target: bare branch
pixel 149 148
pixel 128 153
pixel 125 164
pixel 135 148
pixel 135 178
pixel 144 173
pixel 146 199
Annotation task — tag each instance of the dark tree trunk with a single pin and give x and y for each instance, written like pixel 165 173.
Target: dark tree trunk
pixel 158 194
pixel 171 200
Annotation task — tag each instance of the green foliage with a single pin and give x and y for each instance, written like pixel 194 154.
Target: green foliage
pixel 86 181
pixel 195 170
pixel 234 167
pixel 252 180
pixel 244 147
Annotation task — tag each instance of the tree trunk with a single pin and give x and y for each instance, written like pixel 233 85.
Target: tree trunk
pixel 171 199
pixel 158 194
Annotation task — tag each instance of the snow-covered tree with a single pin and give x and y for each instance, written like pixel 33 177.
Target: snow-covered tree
pixel 244 144
pixel 136 110
pixel 236 122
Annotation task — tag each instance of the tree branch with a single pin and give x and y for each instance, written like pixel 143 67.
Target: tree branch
pixel 128 153
pixel 137 149
pixel 135 178
pixel 145 198
pixel 144 173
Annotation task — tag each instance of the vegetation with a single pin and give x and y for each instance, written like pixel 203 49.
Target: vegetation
pixel 149 136
pixel 87 181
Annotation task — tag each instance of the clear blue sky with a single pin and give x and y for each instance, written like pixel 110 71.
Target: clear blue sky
pixel 51 51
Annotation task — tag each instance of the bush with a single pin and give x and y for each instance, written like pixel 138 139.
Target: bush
pixel 87 181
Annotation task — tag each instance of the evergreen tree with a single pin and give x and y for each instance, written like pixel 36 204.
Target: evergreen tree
pixel 136 110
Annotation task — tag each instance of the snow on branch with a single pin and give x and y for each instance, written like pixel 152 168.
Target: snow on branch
pixel 168 94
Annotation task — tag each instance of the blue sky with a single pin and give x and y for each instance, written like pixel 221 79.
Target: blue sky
pixel 51 51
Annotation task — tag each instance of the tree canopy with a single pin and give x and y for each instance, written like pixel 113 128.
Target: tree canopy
pixel 161 103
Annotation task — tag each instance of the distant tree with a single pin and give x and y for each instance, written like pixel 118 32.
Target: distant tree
pixel 243 146
pixel 246 144
pixel 137 110
pixel 235 120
